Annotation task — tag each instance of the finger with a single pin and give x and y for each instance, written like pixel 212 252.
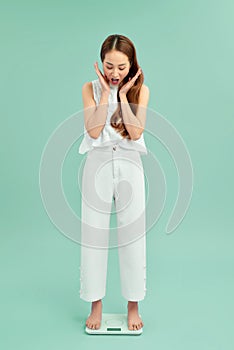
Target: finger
pixel 96 67
pixel 138 73
pixel 135 77
pixel 132 80
pixel 98 70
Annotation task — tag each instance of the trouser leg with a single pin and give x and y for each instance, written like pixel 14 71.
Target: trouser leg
pixel 130 209
pixel 97 195
pixel 133 270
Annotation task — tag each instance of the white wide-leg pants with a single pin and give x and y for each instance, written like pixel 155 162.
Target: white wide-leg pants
pixel 113 172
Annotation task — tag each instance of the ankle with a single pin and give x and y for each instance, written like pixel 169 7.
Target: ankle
pixel 96 303
pixel 133 305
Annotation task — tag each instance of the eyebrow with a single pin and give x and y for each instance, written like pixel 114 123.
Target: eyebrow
pixel 122 64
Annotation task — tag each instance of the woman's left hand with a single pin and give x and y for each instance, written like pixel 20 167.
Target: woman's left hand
pixel 124 89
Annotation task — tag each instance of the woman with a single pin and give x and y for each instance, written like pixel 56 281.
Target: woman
pixel 114 141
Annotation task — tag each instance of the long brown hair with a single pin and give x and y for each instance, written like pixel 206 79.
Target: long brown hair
pixel 123 44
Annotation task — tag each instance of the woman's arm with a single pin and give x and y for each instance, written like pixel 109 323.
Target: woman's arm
pixel 135 124
pixel 94 116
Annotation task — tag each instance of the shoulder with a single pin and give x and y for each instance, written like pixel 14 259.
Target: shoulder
pixel 144 95
pixel 87 86
pixel 144 89
pixel 88 94
pixel 90 85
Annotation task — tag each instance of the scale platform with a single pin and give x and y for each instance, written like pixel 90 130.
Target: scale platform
pixel 114 324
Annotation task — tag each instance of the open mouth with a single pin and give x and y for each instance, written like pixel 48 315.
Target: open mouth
pixel 114 81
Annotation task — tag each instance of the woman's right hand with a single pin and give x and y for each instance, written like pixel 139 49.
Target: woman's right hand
pixel 102 79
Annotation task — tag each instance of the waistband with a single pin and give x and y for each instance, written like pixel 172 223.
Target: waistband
pixel 113 148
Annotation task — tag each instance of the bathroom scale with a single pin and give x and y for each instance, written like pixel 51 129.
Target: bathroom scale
pixel 114 324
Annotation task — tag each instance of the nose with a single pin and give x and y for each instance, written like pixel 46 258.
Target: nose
pixel 115 72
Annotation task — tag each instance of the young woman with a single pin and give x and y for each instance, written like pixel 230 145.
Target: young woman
pixel 114 120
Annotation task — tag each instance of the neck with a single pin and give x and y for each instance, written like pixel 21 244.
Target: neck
pixel 114 87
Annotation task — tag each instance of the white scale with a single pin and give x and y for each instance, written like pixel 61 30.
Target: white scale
pixel 114 324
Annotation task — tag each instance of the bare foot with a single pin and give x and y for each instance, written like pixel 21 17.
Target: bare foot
pixel 134 320
pixel 94 319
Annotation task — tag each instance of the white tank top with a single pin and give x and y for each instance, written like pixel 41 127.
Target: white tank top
pixel 109 136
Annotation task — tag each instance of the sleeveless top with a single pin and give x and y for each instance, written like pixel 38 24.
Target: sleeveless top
pixel 109 136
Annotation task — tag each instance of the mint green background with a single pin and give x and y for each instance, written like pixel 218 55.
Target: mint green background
pixel 185 49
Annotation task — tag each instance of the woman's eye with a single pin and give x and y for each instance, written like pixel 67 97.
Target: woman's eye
pixel 111 68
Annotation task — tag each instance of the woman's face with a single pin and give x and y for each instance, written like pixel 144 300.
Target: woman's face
pixel 116 66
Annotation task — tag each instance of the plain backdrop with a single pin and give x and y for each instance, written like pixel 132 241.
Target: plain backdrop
pixel 185 49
